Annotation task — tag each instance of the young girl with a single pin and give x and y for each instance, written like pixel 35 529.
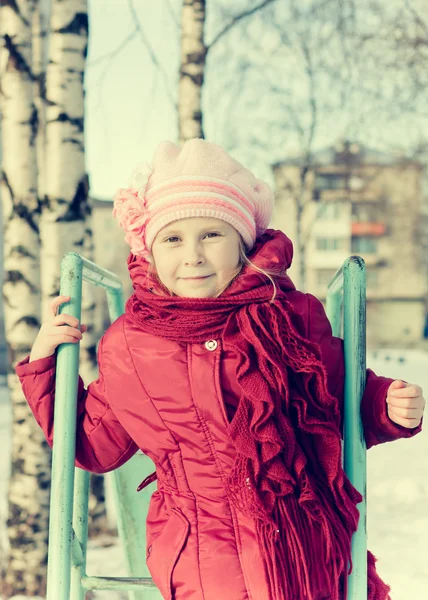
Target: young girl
pixel 231 382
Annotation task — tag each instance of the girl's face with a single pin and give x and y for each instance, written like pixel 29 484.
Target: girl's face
pixel 196 257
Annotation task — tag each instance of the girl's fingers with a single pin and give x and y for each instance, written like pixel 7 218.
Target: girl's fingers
pixel 408 402
pixel 410 391
pixel 56 302
pixel 65 330
pixel 65 319
pixel 408 423
pixel 406 413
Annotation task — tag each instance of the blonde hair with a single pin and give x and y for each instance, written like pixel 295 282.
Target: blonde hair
pixel 243 262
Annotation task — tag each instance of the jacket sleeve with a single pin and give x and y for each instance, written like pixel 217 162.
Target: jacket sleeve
pixel 377 426
pixel 102 444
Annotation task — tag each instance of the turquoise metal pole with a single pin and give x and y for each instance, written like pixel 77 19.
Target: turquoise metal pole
pixel 347 290
pixel 67 545
pixel 60 528
pixel 80 528
pixel 354 312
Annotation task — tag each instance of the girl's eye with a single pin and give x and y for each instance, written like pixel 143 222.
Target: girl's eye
pixel 212 234
pixel 172 239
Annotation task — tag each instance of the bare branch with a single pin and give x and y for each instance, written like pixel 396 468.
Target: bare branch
pixel 236 19
pixel 152 53
pixel 114 53
pixel 173 15
pixel 312 95
pixel 419 20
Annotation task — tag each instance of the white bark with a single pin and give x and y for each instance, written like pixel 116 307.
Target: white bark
pixel 193 53
pixel 23 568
pixel 40 26
pixel 66 213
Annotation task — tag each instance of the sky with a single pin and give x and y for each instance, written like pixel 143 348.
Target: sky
pixel 129 103
pixel 127 110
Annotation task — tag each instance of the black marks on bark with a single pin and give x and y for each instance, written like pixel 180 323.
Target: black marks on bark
pixel 80 243
pixel 16 61
pixel 77 143
pixel 15 276
pixel 79 25
pixel 77 208
pixel 29 215
pixel 64 118
pixel 34 124
pixel 22 251
pixel 196 78
pixel 31 321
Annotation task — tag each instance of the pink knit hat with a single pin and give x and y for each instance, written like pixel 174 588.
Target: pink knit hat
pixel 198 180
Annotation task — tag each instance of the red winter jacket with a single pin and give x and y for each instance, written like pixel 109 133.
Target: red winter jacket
pixel 169 399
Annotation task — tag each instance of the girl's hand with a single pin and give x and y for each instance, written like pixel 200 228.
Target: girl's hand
pixel 405 403
pixel 62 329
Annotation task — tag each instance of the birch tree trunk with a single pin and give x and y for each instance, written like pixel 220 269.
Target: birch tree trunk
pixel 41 29
pixel 193 54
pixel 65 224
pixel 23 570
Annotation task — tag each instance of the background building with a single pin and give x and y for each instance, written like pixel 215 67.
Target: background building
pixel 358 201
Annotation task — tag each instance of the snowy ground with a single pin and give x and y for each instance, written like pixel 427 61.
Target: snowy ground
pixel 397 519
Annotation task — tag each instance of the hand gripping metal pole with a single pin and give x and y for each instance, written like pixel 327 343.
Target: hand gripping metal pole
pixel 68 527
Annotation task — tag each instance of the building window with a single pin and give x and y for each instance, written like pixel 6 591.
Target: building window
pixel 330 181
pixel 331 211
pixel 324 276
pixel 367 245
pixel 330 243
pixel 371 279
pixel 365 213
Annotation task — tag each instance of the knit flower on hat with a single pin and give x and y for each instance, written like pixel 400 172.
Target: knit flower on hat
pixel 131 212
pixel 140 178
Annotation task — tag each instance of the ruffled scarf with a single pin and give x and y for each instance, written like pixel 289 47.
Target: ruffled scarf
pixel 287 473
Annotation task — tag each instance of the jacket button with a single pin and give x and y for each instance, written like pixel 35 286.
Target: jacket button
pixel 211 345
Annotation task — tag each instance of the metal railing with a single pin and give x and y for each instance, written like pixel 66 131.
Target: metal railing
pixel 68 527
pixel 346 310
pixel 67 578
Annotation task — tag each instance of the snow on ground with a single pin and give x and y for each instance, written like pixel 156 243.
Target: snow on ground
pixel 397 497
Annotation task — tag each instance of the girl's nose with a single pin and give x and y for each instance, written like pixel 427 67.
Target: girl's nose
pixel 194 255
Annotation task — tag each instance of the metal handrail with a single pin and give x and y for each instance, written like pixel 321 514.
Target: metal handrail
pixel 68 526
pixel 346 310
pixel 67 576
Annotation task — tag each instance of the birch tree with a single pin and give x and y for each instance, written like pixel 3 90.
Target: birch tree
pixel 28 507
pixel 65 224
pixel 193 53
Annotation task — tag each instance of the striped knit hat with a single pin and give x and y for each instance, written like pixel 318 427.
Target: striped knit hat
pixel 198 180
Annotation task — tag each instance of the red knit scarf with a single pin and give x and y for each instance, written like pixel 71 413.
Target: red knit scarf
pixel 287 473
